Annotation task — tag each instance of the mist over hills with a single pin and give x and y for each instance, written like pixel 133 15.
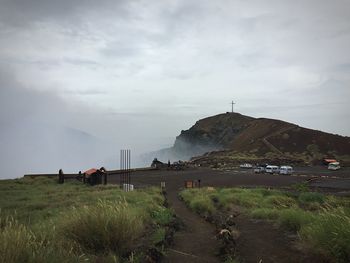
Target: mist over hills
pixel 233 133
pixel 40 147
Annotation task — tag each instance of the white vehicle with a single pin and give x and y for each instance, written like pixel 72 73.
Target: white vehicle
pixel 259 170
pixel 334 166
pixel 246 166
pixel 286 169
pixel 272 169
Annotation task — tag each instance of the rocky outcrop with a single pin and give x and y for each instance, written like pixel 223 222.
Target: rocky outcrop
pixel 215 132
pixel 230 134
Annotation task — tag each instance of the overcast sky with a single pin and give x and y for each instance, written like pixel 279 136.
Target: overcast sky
pixel 135 73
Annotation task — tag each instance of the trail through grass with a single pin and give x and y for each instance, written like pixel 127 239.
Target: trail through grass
pixel 322 222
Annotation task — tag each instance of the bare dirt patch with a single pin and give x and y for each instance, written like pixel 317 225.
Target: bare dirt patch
pixel 261 241
pixel 196 241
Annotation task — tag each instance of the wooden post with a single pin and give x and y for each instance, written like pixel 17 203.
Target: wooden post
pixel 105 178
pixel 60 177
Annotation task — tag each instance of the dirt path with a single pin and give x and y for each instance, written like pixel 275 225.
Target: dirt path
pixel 196 242
pixel 260 241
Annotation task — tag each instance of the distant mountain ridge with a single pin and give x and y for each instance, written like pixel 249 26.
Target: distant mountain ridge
pixel 234 133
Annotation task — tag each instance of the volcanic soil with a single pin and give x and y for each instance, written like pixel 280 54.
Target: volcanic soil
pixel 259 241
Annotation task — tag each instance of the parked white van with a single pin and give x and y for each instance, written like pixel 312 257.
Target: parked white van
pixel 334 166
pixel 272 169
pixel 286 169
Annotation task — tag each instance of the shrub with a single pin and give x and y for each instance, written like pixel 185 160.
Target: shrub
pixel 202 204
pixel 311 197
pixel 247 198
pixel 188 194
pixel 301 187
pixel 199 200
pixel 330 234
pixel 266 192
pixel 162 215
pixel 280 201
pixel 294 219
pixel 264 213
pixel 108 226
pixel 158 236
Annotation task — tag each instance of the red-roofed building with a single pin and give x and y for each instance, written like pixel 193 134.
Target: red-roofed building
pixel 94 176
pixel 327 161
pixel 90 171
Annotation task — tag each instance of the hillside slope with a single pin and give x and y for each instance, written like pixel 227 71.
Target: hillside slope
pixel 233 134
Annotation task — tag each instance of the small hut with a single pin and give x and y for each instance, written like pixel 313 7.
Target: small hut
pixel 94 176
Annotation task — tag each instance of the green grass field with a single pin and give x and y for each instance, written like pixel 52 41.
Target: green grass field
pixel 322 222
pixel 42 221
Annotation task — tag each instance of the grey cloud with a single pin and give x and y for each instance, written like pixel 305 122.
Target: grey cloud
pixel 87 92
pixel 80 62
pixel 345 67
pixel 21 13
pixel 19 103
pixel 121 50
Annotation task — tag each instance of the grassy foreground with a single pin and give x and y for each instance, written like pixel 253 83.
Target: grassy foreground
pixel 322 222
pixel 42 221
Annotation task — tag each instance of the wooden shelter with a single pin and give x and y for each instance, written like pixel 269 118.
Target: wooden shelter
pixel 95 176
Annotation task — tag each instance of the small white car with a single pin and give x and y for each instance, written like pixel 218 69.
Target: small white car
pixel 272 169
pixel 259 170
pixel 246 166
pixel 334 166
pixel 286 169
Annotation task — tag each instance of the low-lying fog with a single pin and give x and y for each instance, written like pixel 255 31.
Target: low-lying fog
pixel 41 133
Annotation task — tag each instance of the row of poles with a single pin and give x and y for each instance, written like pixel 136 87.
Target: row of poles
pixel 125 167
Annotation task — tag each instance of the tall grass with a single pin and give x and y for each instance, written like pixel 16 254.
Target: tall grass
pixel 202 204
pixel 311 197
pixel 264 213
pixel 109 226
pixel 42 221
pixel 19 244
pixel 15 241
pixel 162 216
pixel 279 201
pixel 293 219
pixel 329 234
pixel 198 200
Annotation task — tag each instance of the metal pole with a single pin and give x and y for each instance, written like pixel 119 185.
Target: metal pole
pixel 124 171
pixel 127 171
pixel 121 169
pixel 129 167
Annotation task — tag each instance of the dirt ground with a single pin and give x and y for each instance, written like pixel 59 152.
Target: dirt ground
pixel 321 178
pixel 196 241
pixel 259 241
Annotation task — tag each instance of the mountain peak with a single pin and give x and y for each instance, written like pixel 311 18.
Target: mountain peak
pixel 259 137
